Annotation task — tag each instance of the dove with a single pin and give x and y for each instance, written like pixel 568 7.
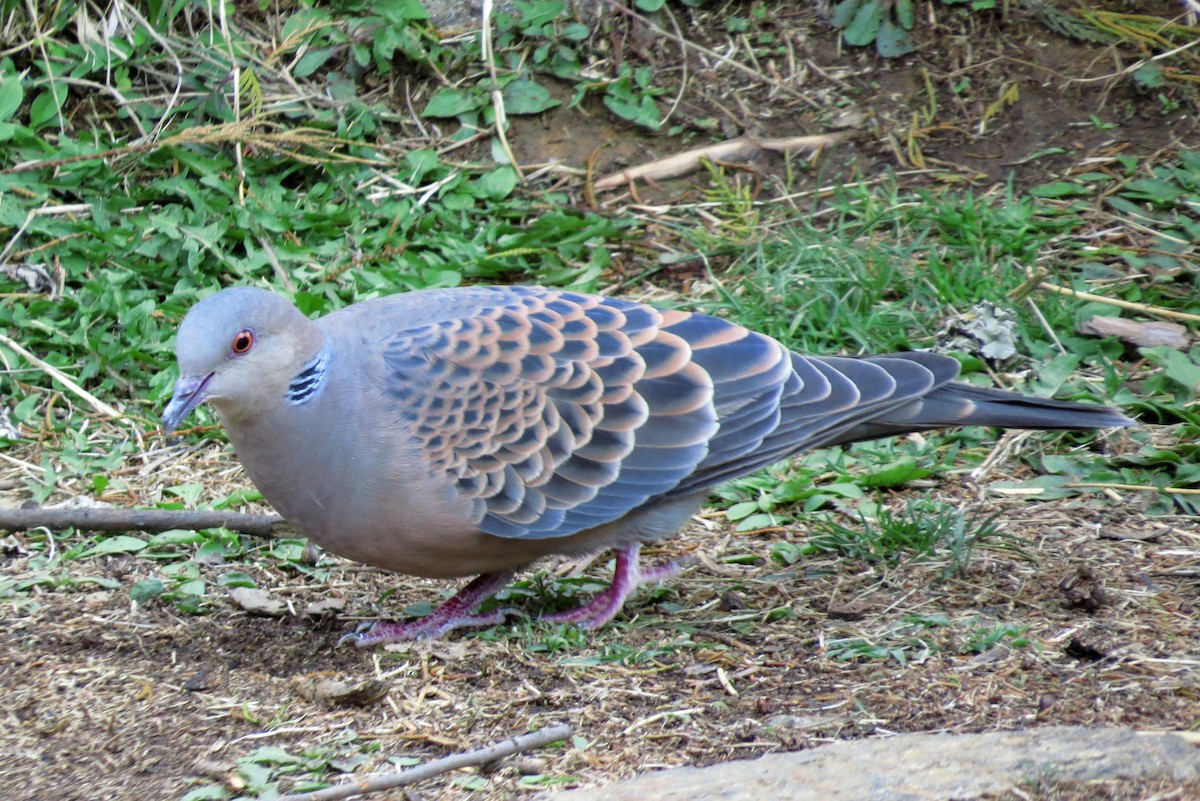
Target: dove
pixel 472 431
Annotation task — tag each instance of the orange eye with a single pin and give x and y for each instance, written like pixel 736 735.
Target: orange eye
pixel 243 342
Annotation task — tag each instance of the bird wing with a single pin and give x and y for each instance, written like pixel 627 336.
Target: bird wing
pixel 553 412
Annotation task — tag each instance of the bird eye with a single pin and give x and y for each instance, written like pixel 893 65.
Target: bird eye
pixel 243 342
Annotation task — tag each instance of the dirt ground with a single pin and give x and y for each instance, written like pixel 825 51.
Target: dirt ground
pixel 736 657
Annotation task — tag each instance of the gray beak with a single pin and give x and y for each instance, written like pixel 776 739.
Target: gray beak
pixel 189 393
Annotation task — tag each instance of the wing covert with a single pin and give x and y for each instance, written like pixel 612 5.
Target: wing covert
pixel 553 411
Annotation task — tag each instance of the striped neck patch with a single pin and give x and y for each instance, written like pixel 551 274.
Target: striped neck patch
pixel 309 381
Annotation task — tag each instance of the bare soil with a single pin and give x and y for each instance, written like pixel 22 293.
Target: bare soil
pixel 106 698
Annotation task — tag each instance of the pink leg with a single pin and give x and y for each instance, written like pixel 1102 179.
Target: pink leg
pixel 456 613
pixel 628 575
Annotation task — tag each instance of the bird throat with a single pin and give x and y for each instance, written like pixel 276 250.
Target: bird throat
pixel 307 383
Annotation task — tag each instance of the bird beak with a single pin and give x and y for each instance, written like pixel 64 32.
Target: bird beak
pixel 189 393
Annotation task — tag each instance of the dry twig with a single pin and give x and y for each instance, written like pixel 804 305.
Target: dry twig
pixel 94 519
pixel 1157 311
pixel 388 781
pixel 730 150
pixel 63 379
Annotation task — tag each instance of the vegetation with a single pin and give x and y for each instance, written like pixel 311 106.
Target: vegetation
pixel 347 150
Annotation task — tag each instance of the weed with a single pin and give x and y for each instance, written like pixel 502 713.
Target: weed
pixel 923 529
pixel 913 638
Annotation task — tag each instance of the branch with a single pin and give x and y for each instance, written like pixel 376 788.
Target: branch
pixel 1157 311
pixel 388 781
pixel 729 150
pixel 63 379
pixel 151 520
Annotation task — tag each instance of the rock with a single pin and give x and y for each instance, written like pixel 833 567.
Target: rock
pixel 918 767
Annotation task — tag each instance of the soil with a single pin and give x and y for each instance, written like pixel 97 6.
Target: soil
pixel 736 657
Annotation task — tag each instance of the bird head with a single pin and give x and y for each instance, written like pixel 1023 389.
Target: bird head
pixel 238 349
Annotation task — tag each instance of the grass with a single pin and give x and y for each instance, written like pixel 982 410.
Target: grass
pixel 271 186
pixel 355 152
pixel 917 637
pixel 923 529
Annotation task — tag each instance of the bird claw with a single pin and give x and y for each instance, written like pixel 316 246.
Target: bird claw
pixel 628 575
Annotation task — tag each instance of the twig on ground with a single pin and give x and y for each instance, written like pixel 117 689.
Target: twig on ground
pixel 489 60
pixel 389 781
pixel 151 520
pixel 729 150
pixel 63 379
pixel 1156 311
pixel 1133 487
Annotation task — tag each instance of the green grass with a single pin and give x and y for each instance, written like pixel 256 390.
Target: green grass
pixel 914 638
pixel 336 164
pixel 924 530
pixel 134 180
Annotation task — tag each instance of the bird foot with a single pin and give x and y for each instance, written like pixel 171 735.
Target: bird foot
pixel 628 575
pixel 456 613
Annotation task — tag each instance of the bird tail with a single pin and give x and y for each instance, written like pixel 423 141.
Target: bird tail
pixel 959 404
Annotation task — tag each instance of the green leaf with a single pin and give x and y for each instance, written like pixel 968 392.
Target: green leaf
pixel 894 473
pixel 1052 374
pixel 236 579
pixel 1176 364
pixel 193 587
pixel 863 29
pixel 399 12
pixel 474 783
pixel 523 96
pixel 893 41
pixel 1153 190
pixel 761 520
pixel 1042 488
pixel 650 5
pixel 11 95
pixel 537 13
pixel 450 102
pixel 308 19
pixel 188 493
pixel 905 16
pixel 45 107
pixel 499 183
pixel 843 12
pixel 575 32
pixel 256 776
pixel 120 544
pixel 175 537
pixel 638 109
pixel 312 61
pixel 1059 189
pixel 740 511
pixel 145 590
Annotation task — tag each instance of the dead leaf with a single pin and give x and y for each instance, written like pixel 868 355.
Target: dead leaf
pixel 325 606
pixel 257 602
pixel 332 691
pixel 1141 334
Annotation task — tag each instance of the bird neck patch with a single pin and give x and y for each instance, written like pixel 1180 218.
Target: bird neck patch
pixel 309 381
